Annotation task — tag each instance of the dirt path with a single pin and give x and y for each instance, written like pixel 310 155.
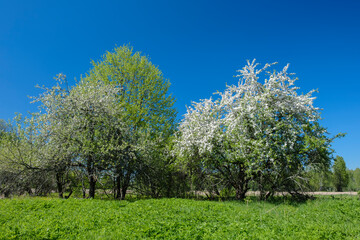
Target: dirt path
pixel 333 193
pixel 256 193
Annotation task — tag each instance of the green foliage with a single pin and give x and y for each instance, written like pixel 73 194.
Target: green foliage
pixel 354 179
pixel 357 177
pixel 320 180
pixel 341 176
pixel 324 218
pixel 149 115
pixel 21 169
pixel 114 131
pixel 144 90
pixel 114 125
pixel 3 128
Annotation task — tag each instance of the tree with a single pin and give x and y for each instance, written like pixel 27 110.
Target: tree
pixel 356 176
pixel 320 179
pixel 83 126
pixel 108 123
pixel 341 176
pixel 21 168
pixel 148 107
pixel 263 132
pixel 354 179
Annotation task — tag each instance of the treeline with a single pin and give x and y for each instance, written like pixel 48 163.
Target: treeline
pixel 338 178
pixel 115 131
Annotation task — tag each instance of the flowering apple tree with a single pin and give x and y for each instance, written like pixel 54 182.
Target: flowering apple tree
pixel 84 127
pixel 260 130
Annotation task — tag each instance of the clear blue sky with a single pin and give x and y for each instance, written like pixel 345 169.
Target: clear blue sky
pixel 197 44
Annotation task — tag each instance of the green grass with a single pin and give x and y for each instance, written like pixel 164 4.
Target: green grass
pixel 46 218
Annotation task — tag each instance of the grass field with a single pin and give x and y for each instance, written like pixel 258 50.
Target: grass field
pixel 47 218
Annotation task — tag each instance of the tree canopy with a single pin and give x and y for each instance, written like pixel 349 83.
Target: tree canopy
pixel 259 129
pixel 116 129
pixel 341 176
pixel 105 126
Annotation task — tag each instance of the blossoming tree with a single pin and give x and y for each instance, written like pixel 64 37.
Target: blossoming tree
pixel 260 131
pixel 83 126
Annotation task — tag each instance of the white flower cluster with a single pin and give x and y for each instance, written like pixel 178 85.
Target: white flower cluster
pixel 252 117
pixel 87 114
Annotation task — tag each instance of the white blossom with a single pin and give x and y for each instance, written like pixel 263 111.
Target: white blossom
pixel 249 116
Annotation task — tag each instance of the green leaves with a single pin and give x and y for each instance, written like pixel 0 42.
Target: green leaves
pixel 98 125
pixel 341 176
pixel 143 88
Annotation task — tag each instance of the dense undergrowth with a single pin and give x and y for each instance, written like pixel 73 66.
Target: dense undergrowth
pixel 50 218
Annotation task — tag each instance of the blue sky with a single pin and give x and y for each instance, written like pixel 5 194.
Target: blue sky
pixel 198 45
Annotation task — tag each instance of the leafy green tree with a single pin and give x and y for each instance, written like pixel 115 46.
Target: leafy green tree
pixel 148 109
pixel 351 185
pixel 144 90
pixel 21 165
pixel 356 177
pixel 320 179
pixel 340 175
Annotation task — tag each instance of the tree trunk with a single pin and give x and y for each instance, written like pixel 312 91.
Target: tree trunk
pixel 29 190
pixel 92 183
pixel 6 194
pixel 170 187
pixel 240 194
pixel 122 184
pixel 126 184
pixel 71 191
pixel 242 182
pixel 91 175
pixel 123 192
pixel 59 185
pixel 241 189
pixel 118 187
pixel 83 186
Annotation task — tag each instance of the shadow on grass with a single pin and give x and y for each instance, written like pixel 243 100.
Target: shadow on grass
pixel 276 200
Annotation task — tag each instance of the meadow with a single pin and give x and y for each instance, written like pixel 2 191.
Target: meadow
pixel 327 217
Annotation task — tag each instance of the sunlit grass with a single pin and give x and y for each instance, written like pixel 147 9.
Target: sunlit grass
pixel 51 218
